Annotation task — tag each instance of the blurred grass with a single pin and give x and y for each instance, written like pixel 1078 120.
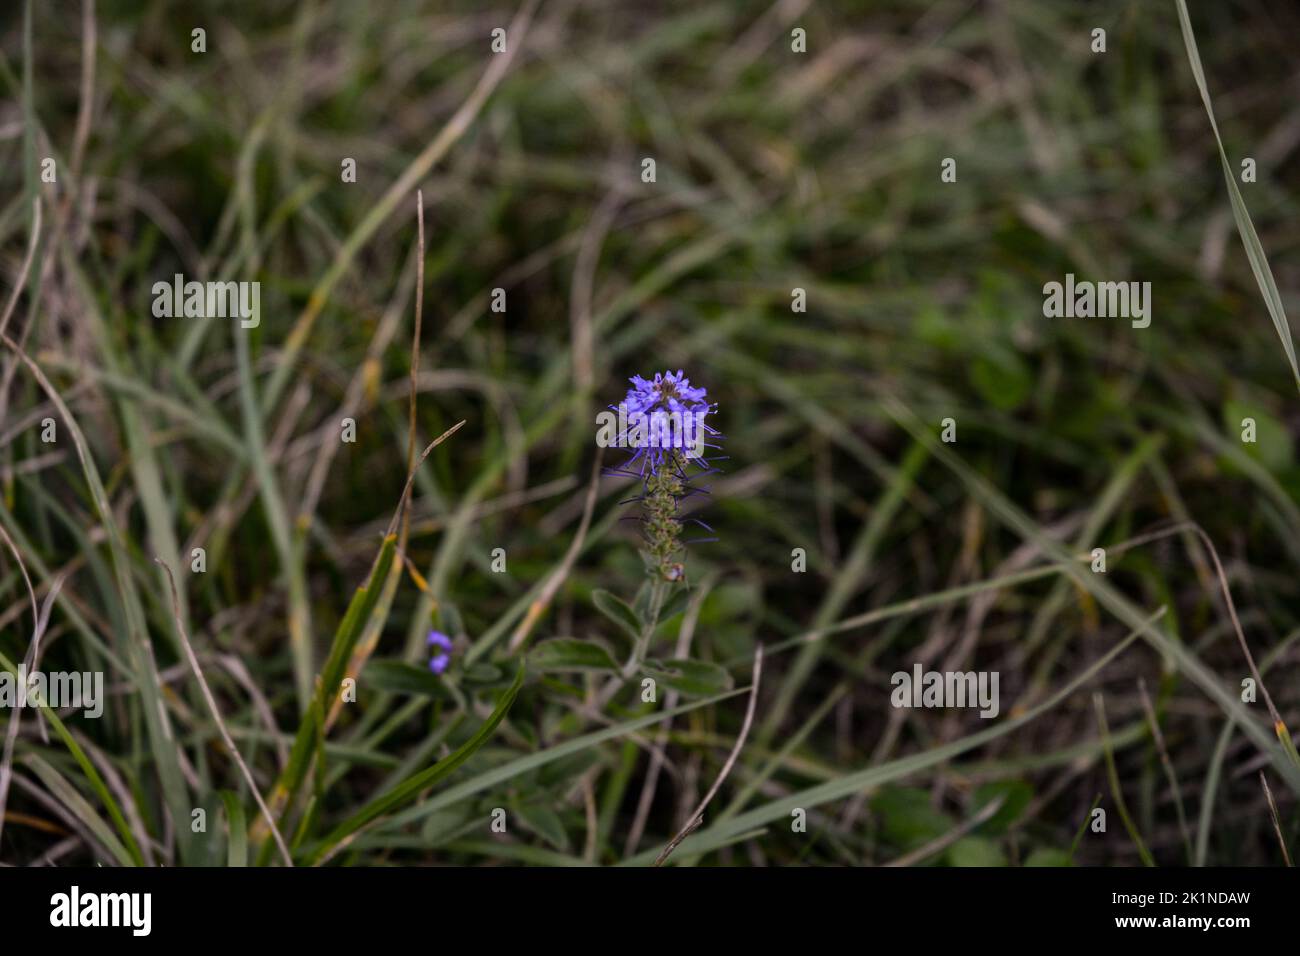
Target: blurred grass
pixel 775 171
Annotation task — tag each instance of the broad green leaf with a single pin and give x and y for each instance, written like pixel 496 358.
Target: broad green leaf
pixel 571 654
pixel 907 817
pixel 484 673
pixel 442 826
pixel 542 820
pixel 692 678
pixel 399 677
pixel 1016 795
pixel 676 604
pixel 618 611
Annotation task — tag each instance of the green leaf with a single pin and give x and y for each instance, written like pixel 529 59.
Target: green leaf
pixel 542 820
pixel 484 674
pixel 618 611
pixel 571 654
pixel 976 851
pixel 1016 794
pixel 443 826
pixel 566 769
pixel 676 604
pixel 907 818
pixel 354 621
pixel 691 678
pixel 399 677
pixel 641 602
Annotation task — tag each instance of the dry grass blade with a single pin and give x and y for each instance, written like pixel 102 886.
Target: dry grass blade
pixel 1116 791
pixel 1277 823
pixel 11 734
pixel 363 650
pixel 697 817
pixel 21 280
pixel 415 357
pixel 658 760
pixel 86 107
pixel 1168 766
pixel 367 645
pixel 1279 725
pixel 410 478
pixel 216 715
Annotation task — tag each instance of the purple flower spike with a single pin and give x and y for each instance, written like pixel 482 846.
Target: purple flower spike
pixel 438 663
pixel 666 429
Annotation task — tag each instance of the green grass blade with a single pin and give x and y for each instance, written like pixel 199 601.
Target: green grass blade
pixel 76 804
pixel 1249 237
pixel 412 786
pixel 362 605
pixel 162 741
pixel 237 848
pixel 92 775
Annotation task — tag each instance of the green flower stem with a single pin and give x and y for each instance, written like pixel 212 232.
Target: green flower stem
pixel 662 527
pixel 658 592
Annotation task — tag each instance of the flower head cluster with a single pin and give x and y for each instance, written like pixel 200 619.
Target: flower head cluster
pixel 670 414
pixel 673 392
pixel 442 657
pixel 676 436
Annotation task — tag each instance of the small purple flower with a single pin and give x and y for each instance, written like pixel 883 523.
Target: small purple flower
pixel 438 663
